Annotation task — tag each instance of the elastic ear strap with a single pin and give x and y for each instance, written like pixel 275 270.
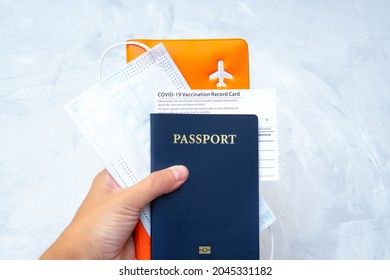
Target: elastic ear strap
pixel 271 257
pixel 117 45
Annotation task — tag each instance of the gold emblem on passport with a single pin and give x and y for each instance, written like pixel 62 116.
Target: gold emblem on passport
pixel 204 250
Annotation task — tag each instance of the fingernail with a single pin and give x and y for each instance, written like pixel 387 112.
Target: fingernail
pixel 180 171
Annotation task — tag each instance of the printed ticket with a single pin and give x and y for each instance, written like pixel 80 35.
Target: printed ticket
pixel 260 102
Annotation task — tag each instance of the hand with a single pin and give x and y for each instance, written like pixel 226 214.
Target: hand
pixel 103 225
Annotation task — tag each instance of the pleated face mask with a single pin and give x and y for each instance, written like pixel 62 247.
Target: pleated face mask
pixel 113 115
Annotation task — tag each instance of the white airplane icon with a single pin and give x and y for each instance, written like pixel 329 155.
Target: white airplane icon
pixel 221 74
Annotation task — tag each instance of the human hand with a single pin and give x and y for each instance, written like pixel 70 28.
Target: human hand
pixel 103 225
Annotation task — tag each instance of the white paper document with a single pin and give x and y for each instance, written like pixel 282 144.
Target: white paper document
pixel 260 102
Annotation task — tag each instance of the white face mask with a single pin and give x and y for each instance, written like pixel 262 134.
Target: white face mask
pixel 114 114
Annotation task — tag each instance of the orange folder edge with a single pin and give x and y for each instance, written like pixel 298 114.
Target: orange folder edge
pixel 142 242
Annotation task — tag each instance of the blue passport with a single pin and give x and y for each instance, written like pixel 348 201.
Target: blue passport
pixel 215 213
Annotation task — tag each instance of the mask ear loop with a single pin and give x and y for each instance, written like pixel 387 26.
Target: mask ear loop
pixel 271 237
pixel 271 257
pixel 145 47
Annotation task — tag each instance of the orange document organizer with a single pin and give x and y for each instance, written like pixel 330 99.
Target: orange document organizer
pixel 205 64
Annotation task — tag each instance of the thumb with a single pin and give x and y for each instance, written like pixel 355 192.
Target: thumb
pixel 156 184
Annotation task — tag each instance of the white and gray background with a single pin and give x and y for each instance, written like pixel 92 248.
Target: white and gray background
pixel 328 60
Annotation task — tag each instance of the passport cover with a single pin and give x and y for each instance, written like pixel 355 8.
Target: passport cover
pixel 215 213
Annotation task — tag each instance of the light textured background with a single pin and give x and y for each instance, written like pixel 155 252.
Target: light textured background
pixel 328 60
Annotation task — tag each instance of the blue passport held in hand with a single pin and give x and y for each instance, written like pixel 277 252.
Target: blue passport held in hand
pixel 215 213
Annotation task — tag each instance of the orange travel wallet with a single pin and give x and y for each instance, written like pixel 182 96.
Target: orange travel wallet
pixel 197 59
pixel 205 64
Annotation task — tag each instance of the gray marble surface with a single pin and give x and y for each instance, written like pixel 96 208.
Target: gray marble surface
pixel 328 60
